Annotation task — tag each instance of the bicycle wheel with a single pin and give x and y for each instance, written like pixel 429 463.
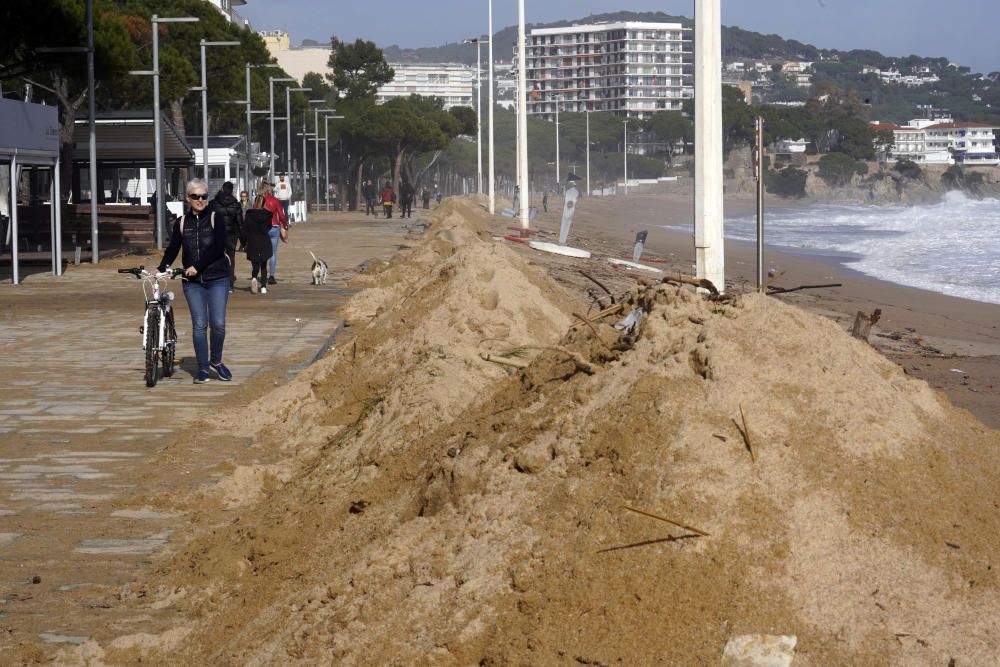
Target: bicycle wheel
pixel 152 346
pixel 169 345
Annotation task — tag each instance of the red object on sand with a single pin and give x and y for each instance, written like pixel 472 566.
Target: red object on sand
pixel 646 260
pixel 515 239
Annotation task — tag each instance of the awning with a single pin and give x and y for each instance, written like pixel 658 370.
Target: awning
pixel 125 138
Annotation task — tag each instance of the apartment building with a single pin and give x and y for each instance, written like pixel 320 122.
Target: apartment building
pixel 226 7
pixel 941 141
pixel 631 69
pixel 453 83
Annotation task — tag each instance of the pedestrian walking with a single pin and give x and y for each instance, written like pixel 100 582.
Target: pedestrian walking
pixel 258 246
pixel 283 193
pixel 437 196
pixel 278 231
pixel 406 195
pixel 425 196
pixel 206 278
pixel 228 210
pixel 388 199
pixel 368 192
pixel 545 201
pixel 245 202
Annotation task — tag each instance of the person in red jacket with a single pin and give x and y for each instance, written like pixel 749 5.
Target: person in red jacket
pixel 388 199
pixel 279 226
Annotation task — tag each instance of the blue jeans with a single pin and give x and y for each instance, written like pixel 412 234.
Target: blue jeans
pixel 207 303
pixel 275 235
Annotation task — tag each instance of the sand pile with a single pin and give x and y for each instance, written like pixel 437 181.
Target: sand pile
pixel 455 511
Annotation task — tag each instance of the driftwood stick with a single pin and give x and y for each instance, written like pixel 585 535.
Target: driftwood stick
pixel 598 283
pixel 666 520
pixel 772 289
pixel 602 314
pixel 697 282
pixel 592 328
pixel 502 361
pixel 745 432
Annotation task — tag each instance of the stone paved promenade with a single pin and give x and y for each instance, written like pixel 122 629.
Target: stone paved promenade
pixel 78 425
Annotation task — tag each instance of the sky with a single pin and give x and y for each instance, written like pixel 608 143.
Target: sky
pixel 961 30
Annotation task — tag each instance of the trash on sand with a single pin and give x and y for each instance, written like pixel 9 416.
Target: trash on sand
pixel 630 322
pixel 545 246
pixel 759 651
pixel 633 265
pixel 956 370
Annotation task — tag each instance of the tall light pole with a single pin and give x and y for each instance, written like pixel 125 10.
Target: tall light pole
pixel 92 125
pixel 250 113
pixel 157 124
pixel 271 80
pixel 326 139
pixel 708 207
pixel 479 112
pixel 522 117
pixel 493 198
pixel 558 172
pixel 588 152
pixel 625 146
pixel 204 105
pixel 316 140
pixel 288 118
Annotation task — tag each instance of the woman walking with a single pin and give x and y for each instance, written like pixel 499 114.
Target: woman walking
pixel 388 199
pixel 206 278
pixel 279 226
pixel 257 225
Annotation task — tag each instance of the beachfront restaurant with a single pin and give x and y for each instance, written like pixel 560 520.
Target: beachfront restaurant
pixel 126 173
pixel 29 184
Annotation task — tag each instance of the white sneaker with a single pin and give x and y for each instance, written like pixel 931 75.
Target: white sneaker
pixel 263 290
pixel 254 286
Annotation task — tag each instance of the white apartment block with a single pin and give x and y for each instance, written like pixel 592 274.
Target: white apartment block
pixel 453 83
pixel 226 7
pixel 631 69
pixel 942 142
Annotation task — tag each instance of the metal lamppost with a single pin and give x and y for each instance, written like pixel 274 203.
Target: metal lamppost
pixel 157 124
pixel 270 89
pixel 558 177
pixel 326 139
pixel 709 239
pixel 204 105
pixel 588 153
pixel 625 146
pixel 288 118
pixel 316 139
pixel 250 113
pixel 522 118
pixel 493 199
pixel 479 112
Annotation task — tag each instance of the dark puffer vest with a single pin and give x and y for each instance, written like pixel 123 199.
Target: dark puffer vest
pixel 204 244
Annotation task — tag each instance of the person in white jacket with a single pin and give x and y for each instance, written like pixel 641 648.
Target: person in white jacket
pixel 283 193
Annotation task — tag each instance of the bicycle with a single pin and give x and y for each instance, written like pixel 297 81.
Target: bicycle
pixel 158 334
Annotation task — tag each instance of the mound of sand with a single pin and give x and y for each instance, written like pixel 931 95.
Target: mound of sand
pixel 441 509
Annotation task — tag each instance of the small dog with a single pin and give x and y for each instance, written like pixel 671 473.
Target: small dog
pixel 320 269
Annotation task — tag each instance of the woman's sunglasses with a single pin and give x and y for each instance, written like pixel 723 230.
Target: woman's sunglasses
pixel 201 197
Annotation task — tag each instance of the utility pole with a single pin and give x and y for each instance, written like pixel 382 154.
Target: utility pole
pixel 522 118
pixel 588 151
pixel 625 146
pixel 493 198
pixel 558 172
pixel 708 206
pixel 92 125
pixel 758 163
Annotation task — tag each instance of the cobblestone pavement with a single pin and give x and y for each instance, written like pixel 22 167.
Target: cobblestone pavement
pixel 78 425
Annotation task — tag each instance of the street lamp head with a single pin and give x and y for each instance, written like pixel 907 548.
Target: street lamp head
pixel 175 19
pixel 274 65
pixel 297 90
pixel 276 79
pixel 220 43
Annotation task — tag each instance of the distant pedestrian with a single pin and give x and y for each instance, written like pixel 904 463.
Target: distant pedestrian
pixel 437 195
pixel 228 210
pixel 279 228
pixel 388 199
pixel 206 278
pixel 368 192
pixel 406 196
pixel 258 246
pixel 545 201
pixel 245 202
pixel 283 193
pixel 425 196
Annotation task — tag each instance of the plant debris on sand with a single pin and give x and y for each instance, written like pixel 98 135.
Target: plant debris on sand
pixel 730 467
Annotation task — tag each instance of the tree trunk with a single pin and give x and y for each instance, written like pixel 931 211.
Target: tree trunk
pixel 357 185
pixel 396 166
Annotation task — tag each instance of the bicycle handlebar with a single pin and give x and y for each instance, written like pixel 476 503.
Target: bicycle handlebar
pixel 141 271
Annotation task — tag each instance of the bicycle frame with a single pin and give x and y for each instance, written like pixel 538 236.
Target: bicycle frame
pixel 159 345
pixel 153 291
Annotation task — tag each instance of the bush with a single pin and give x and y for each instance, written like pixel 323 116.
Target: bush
pixel 957 178
pixel 788 182
pixel 838 169
pixel 909 169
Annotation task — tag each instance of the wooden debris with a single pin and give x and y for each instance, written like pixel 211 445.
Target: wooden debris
pixel 598 283
pixel 773 289
pixel 745 432
pixel 862 327
pixel 666 520
pixel 613 310
pixel 592 328
pixel 485 356
pixel 697 282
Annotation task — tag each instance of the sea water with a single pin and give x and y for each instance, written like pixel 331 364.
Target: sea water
pixel 952 247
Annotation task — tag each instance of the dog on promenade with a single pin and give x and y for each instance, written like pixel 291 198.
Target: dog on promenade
pixel 320 269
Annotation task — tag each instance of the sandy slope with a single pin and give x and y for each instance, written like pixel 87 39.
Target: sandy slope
pixel 440 509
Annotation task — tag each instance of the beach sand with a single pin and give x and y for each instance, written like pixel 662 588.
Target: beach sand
pixel 932 336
